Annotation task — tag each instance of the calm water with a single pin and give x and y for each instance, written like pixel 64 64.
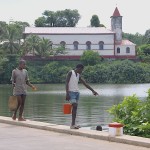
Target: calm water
pixel 46 103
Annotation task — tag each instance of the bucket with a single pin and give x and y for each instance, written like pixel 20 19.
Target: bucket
pixel 67 108
pixel 115 129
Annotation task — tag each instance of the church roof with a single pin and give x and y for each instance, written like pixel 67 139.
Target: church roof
pixel 126 42
pixel 116 13
pixel 67 30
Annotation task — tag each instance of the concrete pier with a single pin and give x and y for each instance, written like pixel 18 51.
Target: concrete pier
pixel 26 133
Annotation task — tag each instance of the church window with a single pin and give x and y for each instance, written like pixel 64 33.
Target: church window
pixel 127 50
pixel 75 44
pixel 101 45
pixel 88 45
pixel 63 43
pixel 118 50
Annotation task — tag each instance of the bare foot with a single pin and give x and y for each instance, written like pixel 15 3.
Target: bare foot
pixel 21 119
pixel 13 117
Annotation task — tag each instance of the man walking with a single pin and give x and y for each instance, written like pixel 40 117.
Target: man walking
pixel 20 80
pixel 72 90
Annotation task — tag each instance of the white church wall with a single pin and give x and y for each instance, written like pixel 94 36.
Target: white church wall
pixel 123 50
pixel 106 52
pixel 82 39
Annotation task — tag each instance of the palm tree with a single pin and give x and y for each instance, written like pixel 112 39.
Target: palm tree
pixel 2 30
pixel 32 44
pixel 45 47
pixel 11 39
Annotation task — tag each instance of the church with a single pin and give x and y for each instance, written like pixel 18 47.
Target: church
pixel 107 42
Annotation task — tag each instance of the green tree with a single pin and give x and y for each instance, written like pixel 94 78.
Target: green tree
pixel 11 40
pixel 3 26
pixel 3 60
pixel 137 38
pixel 40 22
pixel 11 36
pixel 126 72
pixel 44 48
pixel 145 49
pixel 64 18
pixel 147 36
pixel 90 57
pixel 143 52
pixel 50 18
pixel 72 17
pixel 59 50
pixel 8 64
pixel 21 27
pixel 95 22
pixel 134 114
pixel 54 72
pixel 31 44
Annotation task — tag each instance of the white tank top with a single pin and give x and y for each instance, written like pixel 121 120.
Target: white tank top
pixel 73 83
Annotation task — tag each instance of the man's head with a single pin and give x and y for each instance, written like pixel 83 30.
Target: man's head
pixel 22 64
pixel 79 68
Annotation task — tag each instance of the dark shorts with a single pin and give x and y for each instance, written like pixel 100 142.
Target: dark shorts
pixel 20 95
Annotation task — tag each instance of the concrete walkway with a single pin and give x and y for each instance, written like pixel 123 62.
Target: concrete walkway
pixel 27 136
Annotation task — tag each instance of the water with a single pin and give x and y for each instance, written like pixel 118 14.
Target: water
pixel 46 103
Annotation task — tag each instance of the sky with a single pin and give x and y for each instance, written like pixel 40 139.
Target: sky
pixel 136 13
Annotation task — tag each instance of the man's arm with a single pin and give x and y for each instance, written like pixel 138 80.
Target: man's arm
pixel 67 85
pixel 88 86
pixel 13 78
pixel 29 84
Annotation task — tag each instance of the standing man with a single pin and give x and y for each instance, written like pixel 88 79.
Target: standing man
pixel 72 91
pixel 20 80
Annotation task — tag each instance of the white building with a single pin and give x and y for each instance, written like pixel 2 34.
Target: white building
pixel 108 43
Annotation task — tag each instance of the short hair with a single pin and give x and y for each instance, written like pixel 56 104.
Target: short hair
pixel 22 61
pixel 80 66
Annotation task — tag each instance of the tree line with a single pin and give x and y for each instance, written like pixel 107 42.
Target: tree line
pixel 121 71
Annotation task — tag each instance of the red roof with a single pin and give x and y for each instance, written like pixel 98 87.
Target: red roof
pixel 126 42
pixel 116 13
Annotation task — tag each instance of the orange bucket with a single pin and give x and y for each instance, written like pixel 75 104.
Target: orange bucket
pixel 67 108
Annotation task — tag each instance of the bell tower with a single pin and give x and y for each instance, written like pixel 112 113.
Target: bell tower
pixel 116 25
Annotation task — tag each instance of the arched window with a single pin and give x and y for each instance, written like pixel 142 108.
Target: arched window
pixel 88 45
pixel 118 49
pixel 101 45
pixel 75 44
pixel 63 43
pixel 128 50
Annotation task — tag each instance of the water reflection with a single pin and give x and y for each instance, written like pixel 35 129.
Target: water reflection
pixel 46 104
